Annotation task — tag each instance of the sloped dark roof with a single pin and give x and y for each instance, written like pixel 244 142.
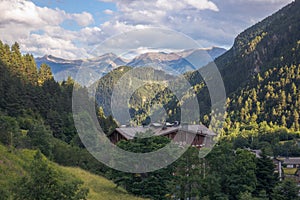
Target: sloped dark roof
pixel 130 132
pixel 290 160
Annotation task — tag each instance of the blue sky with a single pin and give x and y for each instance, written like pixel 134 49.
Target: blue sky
pixel 95 7
pixel 73 28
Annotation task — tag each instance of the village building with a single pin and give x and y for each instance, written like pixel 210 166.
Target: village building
pixel 288 167
pixel 285 167
pixel 196 135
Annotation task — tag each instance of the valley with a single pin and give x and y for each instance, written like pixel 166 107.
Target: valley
pixel 256 152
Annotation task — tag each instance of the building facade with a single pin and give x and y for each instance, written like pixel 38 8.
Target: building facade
pixel 195 135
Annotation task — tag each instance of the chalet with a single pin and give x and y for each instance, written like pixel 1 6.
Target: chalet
pixel 291 162
pixel 285 167
pixel 196 135
pixel 289 167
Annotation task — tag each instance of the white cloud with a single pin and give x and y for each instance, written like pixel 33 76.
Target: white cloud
pixel 38 29
pixel 202 4
pixel 165 4
pixel 108 12
pixel 26 12
pixel 214 22
pixel 83 19
pixel 55 41
pixel 142 11
pixel 144 38
pixel 209 22
pixel 262 1
pixel 90 36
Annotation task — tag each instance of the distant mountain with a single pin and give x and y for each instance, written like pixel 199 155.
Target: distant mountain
pixel 109 60
pixel 248 70
pixel 213 52
pixel 162 61
pixel 178 62
pixel 98 66
pixel 57 64
pixel 147 90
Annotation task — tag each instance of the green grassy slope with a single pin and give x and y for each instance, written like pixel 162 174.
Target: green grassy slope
pixel 13 166
pixel 99 187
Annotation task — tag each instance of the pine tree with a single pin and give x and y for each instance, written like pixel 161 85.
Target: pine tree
pixel 44 74
pixel 283 121
pixel 266 178
pixel 296 120
pixel 286 190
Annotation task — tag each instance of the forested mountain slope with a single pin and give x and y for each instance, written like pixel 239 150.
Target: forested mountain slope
pixel 273 97
pixel 273 42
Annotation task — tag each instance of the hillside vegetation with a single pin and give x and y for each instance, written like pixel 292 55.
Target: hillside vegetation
pixel 99 187
pixel 270 43
pixel 14 165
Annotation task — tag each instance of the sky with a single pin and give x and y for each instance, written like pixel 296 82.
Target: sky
pixel 72 29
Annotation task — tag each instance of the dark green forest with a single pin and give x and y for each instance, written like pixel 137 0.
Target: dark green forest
pixel 36 113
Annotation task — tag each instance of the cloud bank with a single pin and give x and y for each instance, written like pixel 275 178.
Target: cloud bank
pixel 41 30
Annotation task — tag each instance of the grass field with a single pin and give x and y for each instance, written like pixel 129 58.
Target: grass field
pixel 99 187
pixel 13 165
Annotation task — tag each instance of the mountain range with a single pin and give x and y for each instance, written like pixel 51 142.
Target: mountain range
pixel 270 45
pixel 177 62
pixel 250 72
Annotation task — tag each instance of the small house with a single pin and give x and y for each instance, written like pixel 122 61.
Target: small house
pixel 196 135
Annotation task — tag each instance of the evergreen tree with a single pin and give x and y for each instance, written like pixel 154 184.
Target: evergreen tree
pixel 9 130
pixel 242 177
pixel 296 120
pixel 286 190
pixel 40 138
pixel 189 171
pixel 44 74
pixel 266 178
pixel 152 185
